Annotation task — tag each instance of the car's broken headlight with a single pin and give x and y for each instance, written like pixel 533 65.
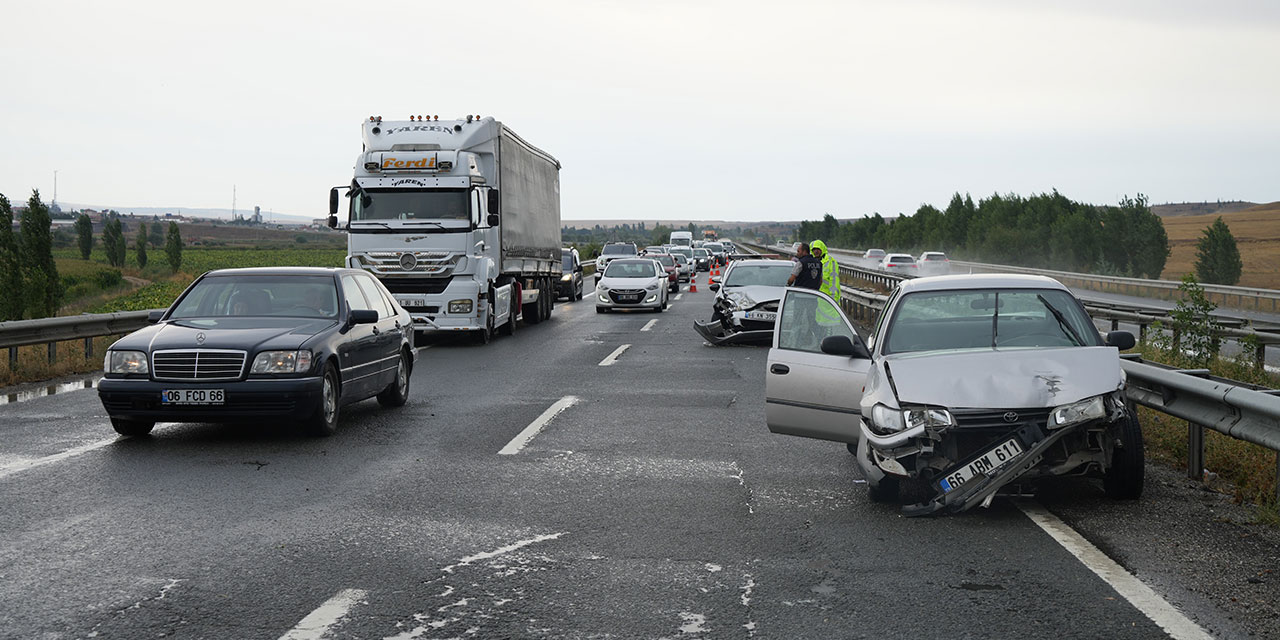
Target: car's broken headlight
pixel 739 301
pixel 886 420
pixel 1082 411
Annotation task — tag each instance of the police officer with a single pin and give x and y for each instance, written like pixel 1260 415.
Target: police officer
pixel 807 272
pixel 827 316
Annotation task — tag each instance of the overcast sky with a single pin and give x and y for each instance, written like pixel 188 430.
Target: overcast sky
pixel 729 110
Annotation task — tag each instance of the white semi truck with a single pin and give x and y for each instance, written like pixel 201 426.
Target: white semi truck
pixel 459 219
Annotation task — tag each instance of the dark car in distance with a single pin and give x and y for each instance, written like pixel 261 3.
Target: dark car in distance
pixel 571 282
pixel 262 344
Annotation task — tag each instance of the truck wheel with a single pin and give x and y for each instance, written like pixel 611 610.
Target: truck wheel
pixel 324 422
pixel 1124 480
pixel 532 312
pixel 484 335
pixel 132 427
pixel 548 285
pixel 509 329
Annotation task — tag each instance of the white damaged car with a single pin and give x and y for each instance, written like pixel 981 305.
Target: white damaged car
pixel 966 386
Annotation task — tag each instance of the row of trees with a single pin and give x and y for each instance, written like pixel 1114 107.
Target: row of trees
pixel 115 244
pixel 1045 230
pixel 29 283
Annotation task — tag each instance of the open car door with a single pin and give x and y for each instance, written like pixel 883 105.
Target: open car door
pixel 812 392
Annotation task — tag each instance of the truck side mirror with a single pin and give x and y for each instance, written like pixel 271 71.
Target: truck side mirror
pixel 333 204
pixel 333 221
pixel 494 219
pixel 495 204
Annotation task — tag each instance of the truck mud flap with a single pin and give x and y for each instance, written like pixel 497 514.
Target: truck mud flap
pixel 713 331
pixel 973 494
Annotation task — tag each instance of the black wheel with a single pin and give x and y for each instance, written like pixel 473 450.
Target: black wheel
pixel 852 447
pixel 397 393
pixel 1124 479
pixel 509 329
pixel 885 491
pixel 484 335
pixel 324 422
pixel 132 427
pixel 550 304
pixel 532 312
pixel 578 292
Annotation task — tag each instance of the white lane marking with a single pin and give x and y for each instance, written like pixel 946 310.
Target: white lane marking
pixel 485 555
pixel 613 357
pixel 1138 594
pixel 679 295
pixel 23 465
pixel 649 325
pixel 517 443
pixel 318 623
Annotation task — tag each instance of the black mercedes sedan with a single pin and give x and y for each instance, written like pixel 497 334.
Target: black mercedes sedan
pixel 262 344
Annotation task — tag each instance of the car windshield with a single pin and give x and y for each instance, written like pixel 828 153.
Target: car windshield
pixel 244 295
pixel 875 253
pixel 988 318
pixel 630 269
pixel 745 274
pixel 714 247
pixel 619 250
pixel 901 259
pixel 400 204
pixel 680 259
pixel 701 253
pixel 665 259
pixel 566 260
pixel 684 251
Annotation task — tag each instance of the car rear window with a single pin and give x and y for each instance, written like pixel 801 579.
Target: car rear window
pixel 931 257
pixel 619 250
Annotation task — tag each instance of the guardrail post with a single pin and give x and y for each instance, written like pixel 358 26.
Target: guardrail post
pixel 53 352
pixel 1278 477
pixel 1261 357
pixel 88 348
pixel 13 358
pixel 1195 451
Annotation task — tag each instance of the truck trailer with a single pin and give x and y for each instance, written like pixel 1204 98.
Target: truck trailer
pixel 459 219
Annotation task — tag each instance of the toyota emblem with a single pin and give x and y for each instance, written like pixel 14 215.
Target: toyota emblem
pixel 1010 417
pixel 200 338
pixel 408 261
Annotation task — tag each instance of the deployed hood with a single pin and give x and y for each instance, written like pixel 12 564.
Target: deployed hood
pixel 251 334
pixel 1005 378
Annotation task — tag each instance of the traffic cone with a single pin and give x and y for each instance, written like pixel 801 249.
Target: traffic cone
pixel 693 284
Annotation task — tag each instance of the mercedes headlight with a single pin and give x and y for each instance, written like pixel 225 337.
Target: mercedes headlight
pixel 1083 411
pixel 460 306
pixel 126 362
pixel 282 362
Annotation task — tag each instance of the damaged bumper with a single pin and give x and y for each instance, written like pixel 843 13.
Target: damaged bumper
pixel 715 332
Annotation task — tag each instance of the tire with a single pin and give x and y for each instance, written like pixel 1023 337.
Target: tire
pixel 550 304
pixel 509 329
pixel 324 422
pixel 397 393
pixel 578 293
pixel 132 427
pixel 532 312
pixel 852 447
pixel 485 335
pixel 884 492
pixel 1124 480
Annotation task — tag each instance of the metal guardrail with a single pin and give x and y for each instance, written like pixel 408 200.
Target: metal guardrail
pixel 1236 409
pixel 51 331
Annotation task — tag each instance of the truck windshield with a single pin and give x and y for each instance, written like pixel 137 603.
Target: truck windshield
pixel 403 204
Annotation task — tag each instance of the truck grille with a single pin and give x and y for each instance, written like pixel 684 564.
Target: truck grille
pixel 417 285
pixel 420 263
pixel 198 364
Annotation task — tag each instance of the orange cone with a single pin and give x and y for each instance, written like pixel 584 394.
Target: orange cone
pixel 693 285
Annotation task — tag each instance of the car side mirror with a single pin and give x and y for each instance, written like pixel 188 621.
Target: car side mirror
pixel 844 346
pixel 714 286
pixel 1122 340
pixel 155 315
pixel 495 204
pixel 362 316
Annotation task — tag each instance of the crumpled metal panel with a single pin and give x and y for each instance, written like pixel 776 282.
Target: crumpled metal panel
pixel 996 378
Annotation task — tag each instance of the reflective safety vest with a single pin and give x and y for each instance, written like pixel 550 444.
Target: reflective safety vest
pixel 830 286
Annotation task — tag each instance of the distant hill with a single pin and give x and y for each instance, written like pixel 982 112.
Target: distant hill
pixel 1257 233
pixel 1200 208
pixel 271 217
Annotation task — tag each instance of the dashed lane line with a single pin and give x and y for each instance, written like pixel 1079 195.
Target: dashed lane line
pixel 613 357
pixel 24 465
pixel 679 295
pixel 517 443
pixel 649 325
pixel 318 623
pixel 1138 594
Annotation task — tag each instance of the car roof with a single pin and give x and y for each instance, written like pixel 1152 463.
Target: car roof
pixel 763 262
pixel 282 271
pixel 980 281
pixel 898 255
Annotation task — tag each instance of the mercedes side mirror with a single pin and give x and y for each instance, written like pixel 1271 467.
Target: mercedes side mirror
pixel 495 204
pixel 362 316
pixel 333 221
pixel 493 219
pixel 155 315
pixel 1122 340
pixel 333 204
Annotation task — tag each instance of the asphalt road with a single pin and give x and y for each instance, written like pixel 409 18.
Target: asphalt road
pixel 655 505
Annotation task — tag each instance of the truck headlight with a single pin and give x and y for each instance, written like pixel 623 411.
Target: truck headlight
pixel 1083 411
pixel 282 362
pixel 126 362
pixel 460 306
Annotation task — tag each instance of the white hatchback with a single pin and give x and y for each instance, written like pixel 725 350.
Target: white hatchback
pixel 632 283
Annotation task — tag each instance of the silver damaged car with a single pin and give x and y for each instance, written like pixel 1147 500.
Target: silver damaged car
pixel 968 386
